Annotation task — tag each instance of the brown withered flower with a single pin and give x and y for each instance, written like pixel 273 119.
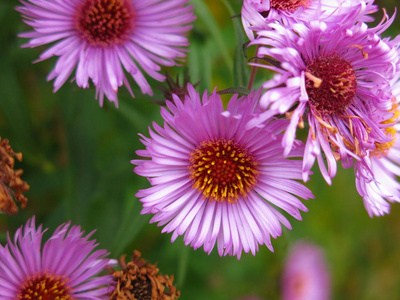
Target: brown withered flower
pixel 11 185
pixel 174 87
pixel 139 280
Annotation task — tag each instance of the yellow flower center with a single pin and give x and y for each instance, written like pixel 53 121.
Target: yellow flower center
pixel 382 149
pixel 44 287
pixel 223 170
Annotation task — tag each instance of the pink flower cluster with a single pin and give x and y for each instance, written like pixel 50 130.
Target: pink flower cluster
pixel 218 174
pixel 335 76
pixel 224 176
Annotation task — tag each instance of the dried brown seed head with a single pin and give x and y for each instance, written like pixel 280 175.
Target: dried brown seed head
pixel 11 185
pixel 139 280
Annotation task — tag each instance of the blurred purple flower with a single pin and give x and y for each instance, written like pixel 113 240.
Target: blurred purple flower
pixel 258 14
pixel 332 78
pixel 65 268
pixel 101 38
pixel 213 180
pixel 306 275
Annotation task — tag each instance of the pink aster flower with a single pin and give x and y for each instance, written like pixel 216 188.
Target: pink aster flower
pixel 213 180
pixel 306 275
pixel 333 78
pixel 258 14
pixel 102 38
pixel 66 267
pixel 377 173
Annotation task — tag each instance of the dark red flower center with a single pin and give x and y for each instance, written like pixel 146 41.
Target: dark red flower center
pixel 331 84
pixel 44 287
pixel 223 170
pixel 288 5
pixel 105 22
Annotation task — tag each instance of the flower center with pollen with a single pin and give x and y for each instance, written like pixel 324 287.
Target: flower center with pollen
pixel 331 84
pixel 288 5
pixel 44 287
pixel 382 149
pixel 105 22
pixel 222 170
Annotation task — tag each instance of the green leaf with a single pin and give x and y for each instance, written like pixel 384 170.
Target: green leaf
pixel 131 223
pixel 240 70
pixel 235 90
pixel 183 265
pixel 204 14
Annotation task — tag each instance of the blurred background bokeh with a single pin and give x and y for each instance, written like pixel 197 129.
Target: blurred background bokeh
pixel 77 162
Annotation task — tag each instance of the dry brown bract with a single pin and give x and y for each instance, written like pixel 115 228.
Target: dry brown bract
pixel 11 185
pixel 174 87
pixel 139 280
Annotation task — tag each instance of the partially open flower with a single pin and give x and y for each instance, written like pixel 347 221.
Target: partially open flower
pixel 11 185
pixel 377 173
pixel 139 280
pixel 66 266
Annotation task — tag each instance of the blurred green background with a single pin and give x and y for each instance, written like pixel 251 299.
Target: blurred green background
pixel 77 162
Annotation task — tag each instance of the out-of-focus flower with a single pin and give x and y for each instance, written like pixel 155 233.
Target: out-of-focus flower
pixel 101 38
pixel 139 280
pixel 215 181
pixel 65 268
pixel 11 185
pixel 306 275
pixel 258 14
pixel 377 173
pixel 332 79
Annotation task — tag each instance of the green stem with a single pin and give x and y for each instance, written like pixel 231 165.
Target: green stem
pixel 183 266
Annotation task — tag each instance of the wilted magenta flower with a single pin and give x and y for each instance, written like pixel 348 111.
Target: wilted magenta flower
pixel 66 267
pixel 101 38
pixel 332 78
pixel 213 180
pixel 377 173
pixel 258 14
pixel 306 275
